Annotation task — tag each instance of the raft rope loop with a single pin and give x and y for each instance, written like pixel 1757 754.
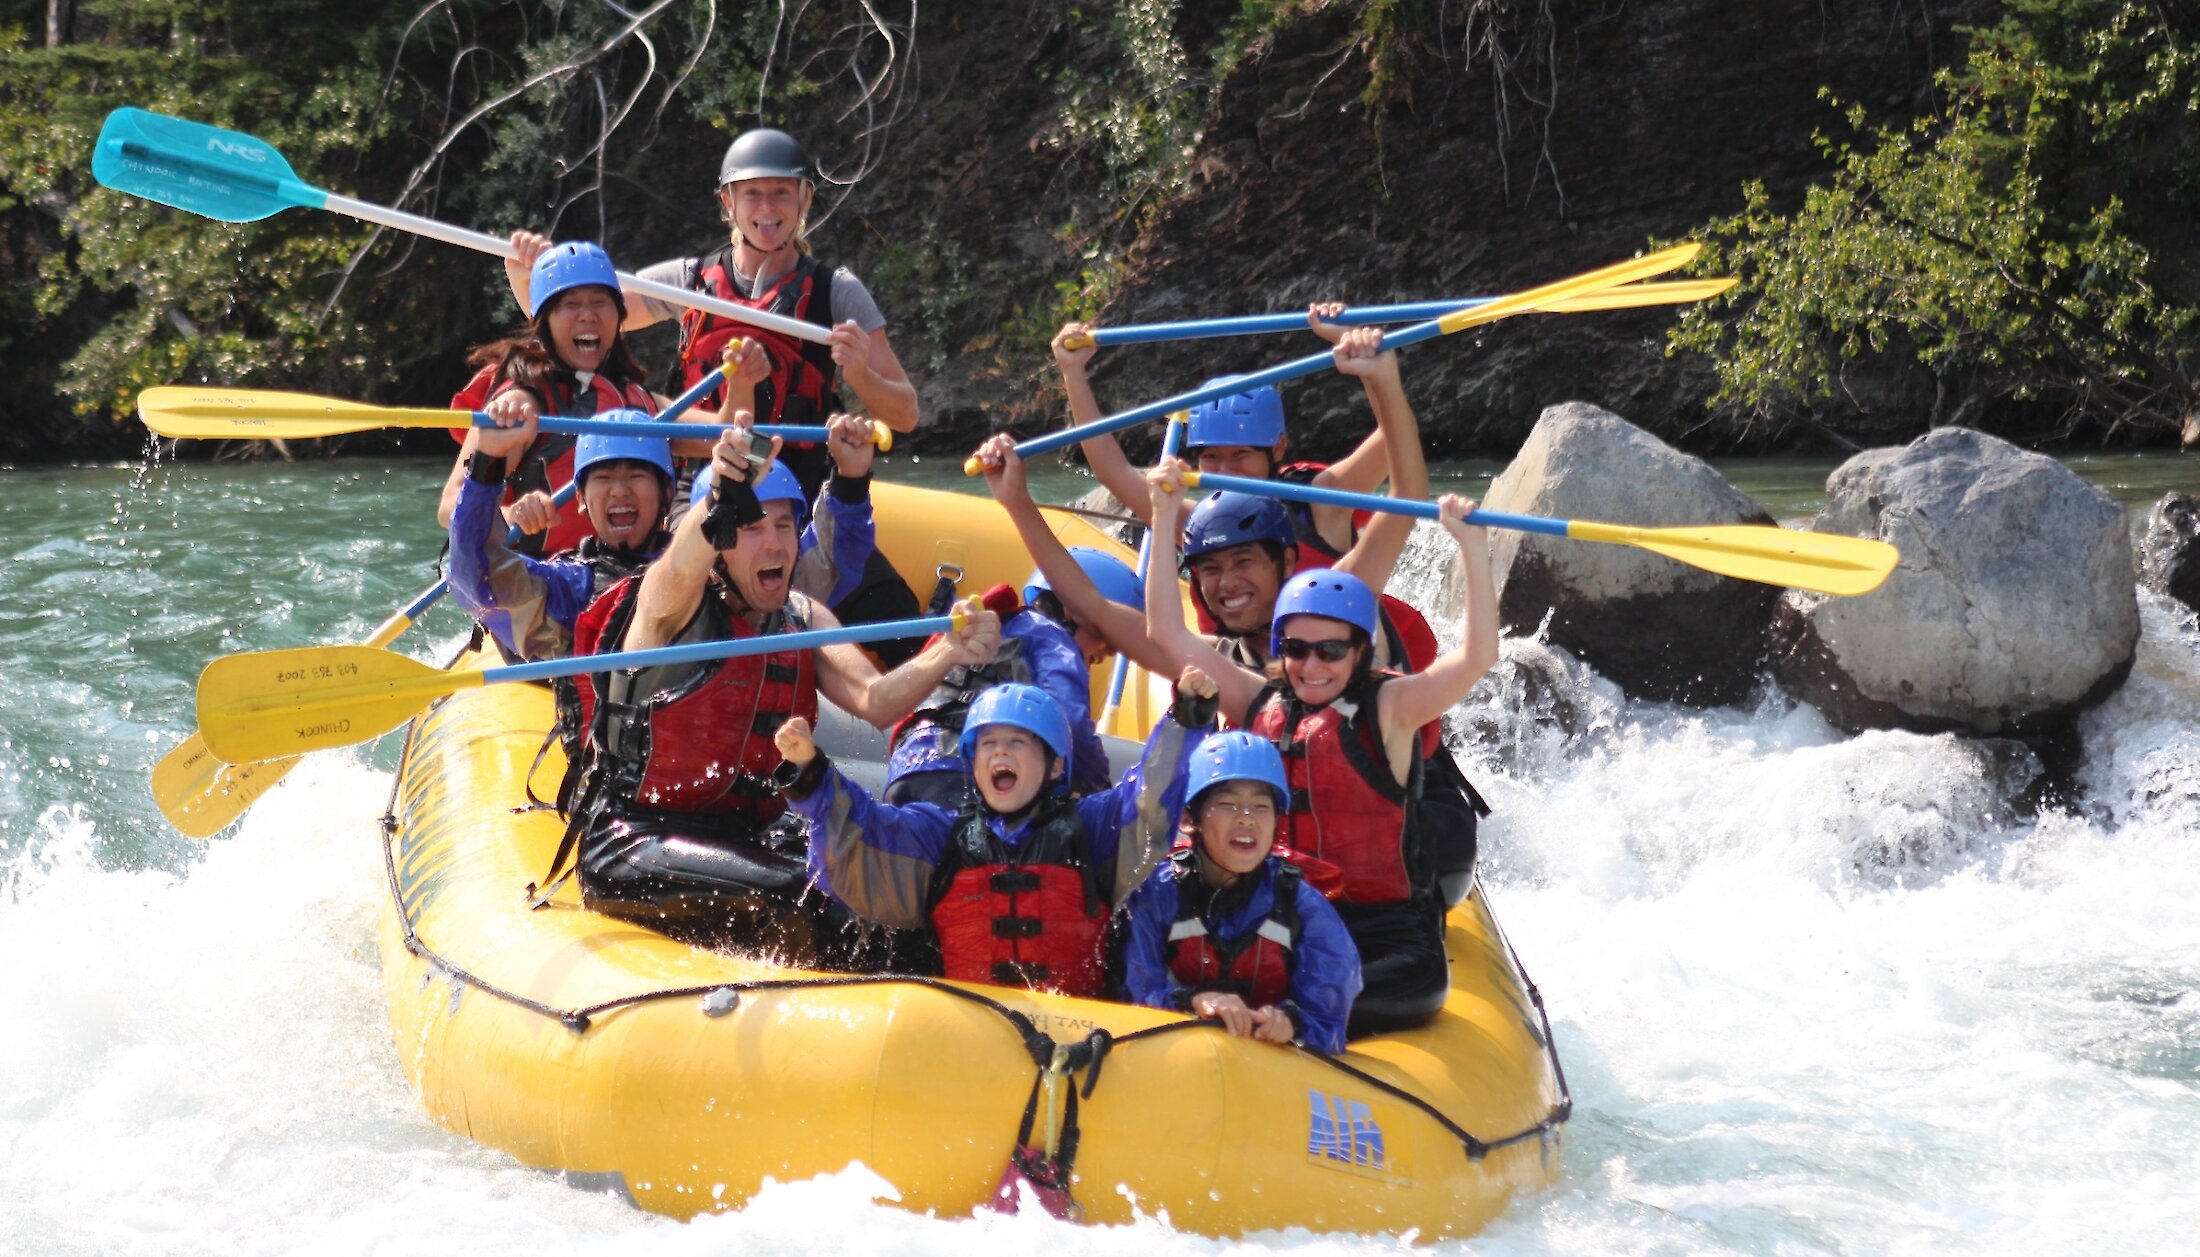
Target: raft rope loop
pixel 1057 1061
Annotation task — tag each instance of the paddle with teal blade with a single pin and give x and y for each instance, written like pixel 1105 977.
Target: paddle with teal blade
pixel 239 178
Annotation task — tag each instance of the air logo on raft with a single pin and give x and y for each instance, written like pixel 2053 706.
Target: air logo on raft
pixel 1345 1133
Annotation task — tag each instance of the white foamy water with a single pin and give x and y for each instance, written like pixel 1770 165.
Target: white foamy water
pixel 1813 994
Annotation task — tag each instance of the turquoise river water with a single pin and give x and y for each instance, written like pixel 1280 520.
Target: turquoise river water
pixel 1781 1039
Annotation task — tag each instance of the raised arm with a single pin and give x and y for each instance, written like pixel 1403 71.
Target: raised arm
pixel 1375 554
pixel 673 586
pixel 1123 628
pixel 526 247
pixel 1073 349
pixel 1362 470
pixel 1165 601
pixel 849 678
pixel 1412 701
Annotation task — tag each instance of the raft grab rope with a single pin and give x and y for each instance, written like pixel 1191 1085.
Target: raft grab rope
pixel 1051 1056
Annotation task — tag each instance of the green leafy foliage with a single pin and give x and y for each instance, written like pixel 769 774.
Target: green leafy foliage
pixel 492 115
pixel 1998 245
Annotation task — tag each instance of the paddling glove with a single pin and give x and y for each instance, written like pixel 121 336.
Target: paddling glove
pixel 487 468
pixel 801 782
pixel 733 507
pixel 1195 712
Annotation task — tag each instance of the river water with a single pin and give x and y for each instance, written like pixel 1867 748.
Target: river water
pixel 1813 993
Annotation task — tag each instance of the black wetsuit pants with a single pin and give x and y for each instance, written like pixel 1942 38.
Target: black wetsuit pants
pixel 1403 971
pixel 701 884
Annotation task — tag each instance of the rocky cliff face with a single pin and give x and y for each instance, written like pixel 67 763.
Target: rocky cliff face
pixel 1600 128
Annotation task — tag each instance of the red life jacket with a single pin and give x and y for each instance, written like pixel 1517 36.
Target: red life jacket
pixel 802 371
pixel 1257 967
pixel 694 738
pixel 1314 549
pixel 1025 915
pixel 1346 806
pixel 547 464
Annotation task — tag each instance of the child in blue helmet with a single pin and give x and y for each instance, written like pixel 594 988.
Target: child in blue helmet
pixel 1229 929
pixel 1039 645
pixel 1356 741
pixel 1020 884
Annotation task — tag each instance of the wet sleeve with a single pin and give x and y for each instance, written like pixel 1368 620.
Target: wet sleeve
pixel 1057 668
pixel 1146 973
pixel 1133 822
pixel 851 300
pixel 837 545
pixel 1326 976
pixel 678 273
pixel 529 606
pixel 877 858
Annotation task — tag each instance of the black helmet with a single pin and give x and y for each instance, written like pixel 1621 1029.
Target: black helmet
pixel 764 154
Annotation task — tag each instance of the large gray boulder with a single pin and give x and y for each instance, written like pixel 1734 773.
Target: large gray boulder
pixel 1658 628
pixel 2013 608
pixel 2169 549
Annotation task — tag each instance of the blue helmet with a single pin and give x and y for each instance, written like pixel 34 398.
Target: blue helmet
pixel 604 447
pixel 1026 707
pixel 574 264
pixel 1250 418
pixel 778 485
pixel 1115 579
pixel 1227 518
pixel 1238 755
pixel 1324 591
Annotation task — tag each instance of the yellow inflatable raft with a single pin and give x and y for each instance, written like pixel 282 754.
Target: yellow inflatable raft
pixel 688 1078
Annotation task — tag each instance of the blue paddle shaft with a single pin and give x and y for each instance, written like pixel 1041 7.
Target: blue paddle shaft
pixel 1291 370
pixel 1320 495
pixel 658 428
pixel 703 652
pixel 696 393
pixel 1201 329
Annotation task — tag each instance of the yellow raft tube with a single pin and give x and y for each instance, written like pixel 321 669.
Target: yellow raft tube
pixel 688 1078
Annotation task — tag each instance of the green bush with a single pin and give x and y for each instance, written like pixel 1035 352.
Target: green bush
pixel 1993 245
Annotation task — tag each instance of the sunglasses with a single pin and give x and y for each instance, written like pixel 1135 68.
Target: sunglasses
pixel 1332 651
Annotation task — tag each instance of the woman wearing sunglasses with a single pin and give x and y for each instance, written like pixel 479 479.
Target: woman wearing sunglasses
pixel 1350 735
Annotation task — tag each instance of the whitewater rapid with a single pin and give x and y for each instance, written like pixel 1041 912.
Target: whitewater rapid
pixel 1812 993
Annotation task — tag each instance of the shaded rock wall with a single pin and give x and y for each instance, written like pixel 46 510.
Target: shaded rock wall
pixel 1656 116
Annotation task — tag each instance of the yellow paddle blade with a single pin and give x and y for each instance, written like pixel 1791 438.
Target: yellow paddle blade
pixel 1822 562
pixel 201 796
pixel 1598 280
pixel 1628 296
pixel 270 704
pixel 216 414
